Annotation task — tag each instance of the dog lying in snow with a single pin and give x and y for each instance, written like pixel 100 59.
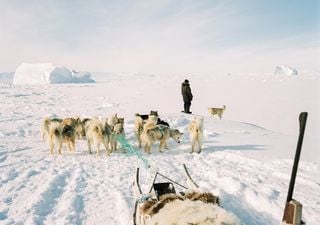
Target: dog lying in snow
pixel 217 111
pixel 98 133
pixel 196 133
pixel 152 133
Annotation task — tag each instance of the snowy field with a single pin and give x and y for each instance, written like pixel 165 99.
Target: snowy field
pixel 246 160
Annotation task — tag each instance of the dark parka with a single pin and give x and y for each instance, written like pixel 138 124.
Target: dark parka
pixel 186 92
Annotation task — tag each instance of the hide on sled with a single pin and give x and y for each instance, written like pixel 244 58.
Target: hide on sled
pixel 164 205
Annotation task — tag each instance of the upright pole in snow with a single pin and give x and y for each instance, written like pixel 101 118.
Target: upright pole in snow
pixel 293 209
pixel 302 119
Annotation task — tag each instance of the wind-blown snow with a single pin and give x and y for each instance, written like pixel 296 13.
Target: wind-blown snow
pixel 246 160
pixel 46 73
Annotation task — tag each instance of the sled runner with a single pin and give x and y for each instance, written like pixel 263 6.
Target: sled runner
pixel 165 205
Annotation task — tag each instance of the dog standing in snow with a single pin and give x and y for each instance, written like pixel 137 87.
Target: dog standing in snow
pixel 196 133
pixel 98 133
pixel 217 111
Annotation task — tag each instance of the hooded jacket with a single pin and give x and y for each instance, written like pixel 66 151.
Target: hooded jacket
pixel 186 92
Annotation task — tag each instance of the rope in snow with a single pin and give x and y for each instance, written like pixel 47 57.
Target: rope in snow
pixel 131 150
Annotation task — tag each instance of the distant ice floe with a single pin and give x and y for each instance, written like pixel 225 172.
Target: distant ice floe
pixel 47 73
pixel 285 70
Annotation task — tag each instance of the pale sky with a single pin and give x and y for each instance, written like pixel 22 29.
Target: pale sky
pixel 161 36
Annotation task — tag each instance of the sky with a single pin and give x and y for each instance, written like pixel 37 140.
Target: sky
pixel 163 36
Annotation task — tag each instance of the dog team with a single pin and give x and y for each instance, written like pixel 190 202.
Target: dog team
pixel 149 129
pixel 96 131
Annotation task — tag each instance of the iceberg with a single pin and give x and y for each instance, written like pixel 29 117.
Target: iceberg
pixel 47 73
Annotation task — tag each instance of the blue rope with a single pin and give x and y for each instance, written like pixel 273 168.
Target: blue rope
pixel 131 150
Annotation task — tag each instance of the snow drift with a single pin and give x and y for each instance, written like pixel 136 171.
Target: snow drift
pixel 285 70
pixel 46 73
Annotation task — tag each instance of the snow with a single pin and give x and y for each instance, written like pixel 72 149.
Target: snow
pixel 47 73
pixel 285 70
pixel 246 160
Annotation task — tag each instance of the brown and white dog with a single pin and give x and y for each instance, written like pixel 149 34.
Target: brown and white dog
pixel 98 133
pixel 217 111
pixel 141 120
pixel 77 124
pixel 196 133
pixel 152 133
pixel 45 126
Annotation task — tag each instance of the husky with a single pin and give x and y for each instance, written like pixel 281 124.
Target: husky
pixel 54 134
pixel 77 125
pixel 146 116
pixel 117 130
pixel 60 133
pixel 196 133
pixel 45 126
pixel 217 111
pixel 152 133
pixel 155 114
pixel 113 120
pixel 141 120
pixel 98 133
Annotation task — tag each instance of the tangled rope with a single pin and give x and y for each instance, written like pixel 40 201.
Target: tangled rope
pixel 131 150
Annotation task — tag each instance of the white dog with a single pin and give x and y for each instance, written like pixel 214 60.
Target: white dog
pixel 196 133
pixel 118 129
pixel 217 111
pixel 54 134
pixel 97 134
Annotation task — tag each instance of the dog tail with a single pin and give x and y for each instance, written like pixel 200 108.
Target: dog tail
pixel 55 131
pixel 98 130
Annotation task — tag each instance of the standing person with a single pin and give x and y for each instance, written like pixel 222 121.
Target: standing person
pixel 187 95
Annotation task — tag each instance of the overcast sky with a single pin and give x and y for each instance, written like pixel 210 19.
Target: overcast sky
pixel 161 36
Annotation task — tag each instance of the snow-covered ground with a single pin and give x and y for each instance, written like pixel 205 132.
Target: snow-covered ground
pixel 247 156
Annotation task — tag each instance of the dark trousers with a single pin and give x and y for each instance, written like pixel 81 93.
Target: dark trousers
pixel 187 106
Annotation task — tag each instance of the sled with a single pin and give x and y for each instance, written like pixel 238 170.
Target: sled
pixel 164 204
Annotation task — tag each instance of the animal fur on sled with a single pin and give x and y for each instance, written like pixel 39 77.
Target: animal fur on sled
pixel 193 208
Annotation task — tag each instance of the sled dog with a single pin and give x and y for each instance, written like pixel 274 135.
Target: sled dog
pixel 146 116
pixel 45 126
pixel 55 135
pixel 196 133
pixel 141 120
pixel 117 130
pixel 217 111
pixel 152 133
pixel 98 133
pixel 114 119
pixel 77 125
pixel 152 113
